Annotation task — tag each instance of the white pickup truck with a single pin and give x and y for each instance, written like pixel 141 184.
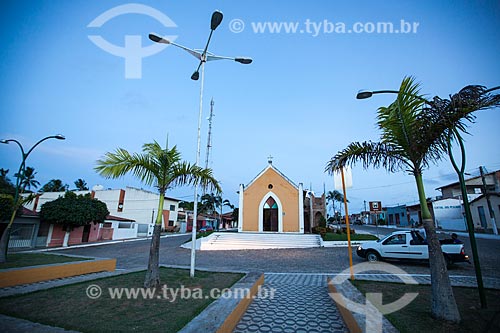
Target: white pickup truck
pixel 409 244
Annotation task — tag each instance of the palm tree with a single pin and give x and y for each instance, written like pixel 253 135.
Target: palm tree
pixel 209 204
pixel 28 179
pixel 81 185
pixel 163 169
pixel 334 196
pixel 54 185
pixel 227 203
pixel 413 136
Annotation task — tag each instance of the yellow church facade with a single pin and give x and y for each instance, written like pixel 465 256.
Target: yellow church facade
pixel 271 203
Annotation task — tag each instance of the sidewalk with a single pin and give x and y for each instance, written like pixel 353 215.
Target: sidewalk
pixel 299 303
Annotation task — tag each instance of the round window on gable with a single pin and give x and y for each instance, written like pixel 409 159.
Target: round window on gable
pixel 270 186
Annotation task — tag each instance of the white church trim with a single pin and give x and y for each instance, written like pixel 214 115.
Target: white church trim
pixel 261 211
pixel 240 215
pixel 301 209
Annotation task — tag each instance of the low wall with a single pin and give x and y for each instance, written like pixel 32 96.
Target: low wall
pixel 223 315
pixel 32 274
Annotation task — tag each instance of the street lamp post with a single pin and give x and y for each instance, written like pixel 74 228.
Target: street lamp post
pixel 19 176
pixel 363 94
pixel 203 56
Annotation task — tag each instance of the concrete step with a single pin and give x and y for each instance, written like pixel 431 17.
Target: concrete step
pixel 241 241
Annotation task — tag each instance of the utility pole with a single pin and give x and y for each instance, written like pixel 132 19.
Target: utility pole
pixel 364 213
pixel 209 139
pixel 487 195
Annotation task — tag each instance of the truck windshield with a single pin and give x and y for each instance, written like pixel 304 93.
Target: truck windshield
pixel 384 238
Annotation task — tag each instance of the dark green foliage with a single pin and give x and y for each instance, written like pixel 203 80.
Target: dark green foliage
pixel 6 186
pixel 28 179
pixel 74 210
pixel 187 205
pixel 236 214
pixel 6 206
pixel 322 222
pixel 81 185
pixel 55 185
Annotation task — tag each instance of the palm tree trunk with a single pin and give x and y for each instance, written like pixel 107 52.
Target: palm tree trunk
pixel 152 278
pixel 4 245
pixel 4 241
pixel 443 304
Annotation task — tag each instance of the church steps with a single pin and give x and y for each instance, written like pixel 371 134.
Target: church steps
pixel 241 241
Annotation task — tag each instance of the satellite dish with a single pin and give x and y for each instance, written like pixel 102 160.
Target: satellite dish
pixel 97 188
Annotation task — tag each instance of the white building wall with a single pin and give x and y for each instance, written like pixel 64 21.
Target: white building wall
pixel 495 205
pixel 448 214
pixel 139 205
pixel 124 233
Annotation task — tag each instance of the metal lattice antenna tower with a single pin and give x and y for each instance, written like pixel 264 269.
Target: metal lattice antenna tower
pixel 209 140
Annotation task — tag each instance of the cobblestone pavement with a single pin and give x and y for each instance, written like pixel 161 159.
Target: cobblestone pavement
pixel 299 303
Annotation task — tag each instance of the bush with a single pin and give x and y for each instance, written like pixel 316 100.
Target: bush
pixel 381 222
pixel 322 222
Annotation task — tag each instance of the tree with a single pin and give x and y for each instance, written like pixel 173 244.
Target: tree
pixel 415 133
pixel 236 214
pixel 73 211
pixel 28 179
pixel 81 185
pixel 54 185
pixel 163 169
pixel 6 186
pixel 187 205
pixel 227 203
pixel 209 204
pixel 336 196
pixel 6 206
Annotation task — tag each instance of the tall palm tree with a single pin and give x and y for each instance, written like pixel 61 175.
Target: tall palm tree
pixel 210 203
pixel 28 179
pixel 54 185
pixel 163 169
pixel 81 185
pixel 415 134
pixel 336 196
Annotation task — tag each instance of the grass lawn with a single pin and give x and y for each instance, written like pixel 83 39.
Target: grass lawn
pixel 416 317
pixel 330 236
pixel 15 260
pixel 70 307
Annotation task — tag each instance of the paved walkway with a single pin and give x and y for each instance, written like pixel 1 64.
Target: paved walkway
pixel 300 304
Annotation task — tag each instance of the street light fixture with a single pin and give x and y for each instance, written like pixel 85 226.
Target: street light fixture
pixel 363 94
pixel 19 176
pixel 203 56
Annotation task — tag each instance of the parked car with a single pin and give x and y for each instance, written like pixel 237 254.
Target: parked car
pixel 206 228
pixel 409 245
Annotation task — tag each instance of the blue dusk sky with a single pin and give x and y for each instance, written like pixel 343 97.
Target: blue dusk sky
pixel 296 101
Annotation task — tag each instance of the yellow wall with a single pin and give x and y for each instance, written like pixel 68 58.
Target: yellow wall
pixel 33 274
pixel 286 192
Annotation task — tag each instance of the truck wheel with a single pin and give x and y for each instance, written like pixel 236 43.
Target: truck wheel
pixel 372 256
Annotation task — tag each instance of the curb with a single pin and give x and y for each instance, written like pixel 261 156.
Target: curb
pixel 223 315
pixel 349 319
pixel 33 274
pixel 360 321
